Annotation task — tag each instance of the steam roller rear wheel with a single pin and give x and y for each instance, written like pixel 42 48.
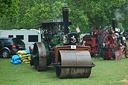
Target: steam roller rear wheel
pixel 74 58
pixel 39 54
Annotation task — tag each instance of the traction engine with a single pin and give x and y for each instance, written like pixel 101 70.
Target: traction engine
pixel 109 43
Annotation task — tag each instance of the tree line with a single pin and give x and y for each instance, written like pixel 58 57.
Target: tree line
pixel 17 14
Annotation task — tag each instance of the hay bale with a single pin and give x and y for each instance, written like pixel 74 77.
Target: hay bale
pixel 22 52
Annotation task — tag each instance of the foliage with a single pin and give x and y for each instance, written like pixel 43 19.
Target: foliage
pixel 84 13
pixel 88 13
pixel 122 16
pixel 4 5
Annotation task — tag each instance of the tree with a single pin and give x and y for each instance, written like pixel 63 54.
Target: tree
pixel 4 5
pixel 83 13
pixel 88 13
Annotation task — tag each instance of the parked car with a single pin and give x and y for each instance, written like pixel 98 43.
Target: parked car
pixel 9 46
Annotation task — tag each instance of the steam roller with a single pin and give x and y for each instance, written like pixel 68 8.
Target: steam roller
pixel 73 63
pixel 62 49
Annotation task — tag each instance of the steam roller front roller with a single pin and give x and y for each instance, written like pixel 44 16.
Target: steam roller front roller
pixel 39 56
pixel 74 64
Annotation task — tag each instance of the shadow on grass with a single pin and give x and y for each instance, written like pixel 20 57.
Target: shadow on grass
pixel 48 69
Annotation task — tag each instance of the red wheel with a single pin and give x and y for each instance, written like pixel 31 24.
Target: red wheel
pixel 126 53
pixel 117 53
pixel 106 44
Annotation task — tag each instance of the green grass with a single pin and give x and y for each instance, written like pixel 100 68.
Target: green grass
pixel 104 73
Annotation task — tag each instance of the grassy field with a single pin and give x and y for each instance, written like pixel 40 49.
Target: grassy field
pixel 104 73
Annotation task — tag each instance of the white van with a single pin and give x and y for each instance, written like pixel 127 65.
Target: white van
pixel 28 36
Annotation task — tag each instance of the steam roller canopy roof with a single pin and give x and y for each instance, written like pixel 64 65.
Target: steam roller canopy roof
pixel 49 23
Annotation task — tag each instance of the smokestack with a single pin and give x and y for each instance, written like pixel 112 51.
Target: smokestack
pixel 113 23
pixel 65 19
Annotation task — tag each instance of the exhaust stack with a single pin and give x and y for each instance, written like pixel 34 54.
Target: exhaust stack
pixel 65 19
pixel 113 23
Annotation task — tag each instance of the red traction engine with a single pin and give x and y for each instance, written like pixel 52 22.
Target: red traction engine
pixel 106 43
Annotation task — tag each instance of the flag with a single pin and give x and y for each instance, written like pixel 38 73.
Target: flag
pixel 69 28
pixel 77 29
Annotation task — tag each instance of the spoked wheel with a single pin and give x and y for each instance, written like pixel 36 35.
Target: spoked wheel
pixel 126 53
pixel 39 54
pixel 70 59
pixel 106 43
pixel 117 53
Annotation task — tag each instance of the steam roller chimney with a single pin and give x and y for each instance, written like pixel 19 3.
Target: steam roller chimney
pixel 113 23
pixel 65 19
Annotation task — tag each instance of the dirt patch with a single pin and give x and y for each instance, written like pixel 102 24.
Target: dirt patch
pixel 125 80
